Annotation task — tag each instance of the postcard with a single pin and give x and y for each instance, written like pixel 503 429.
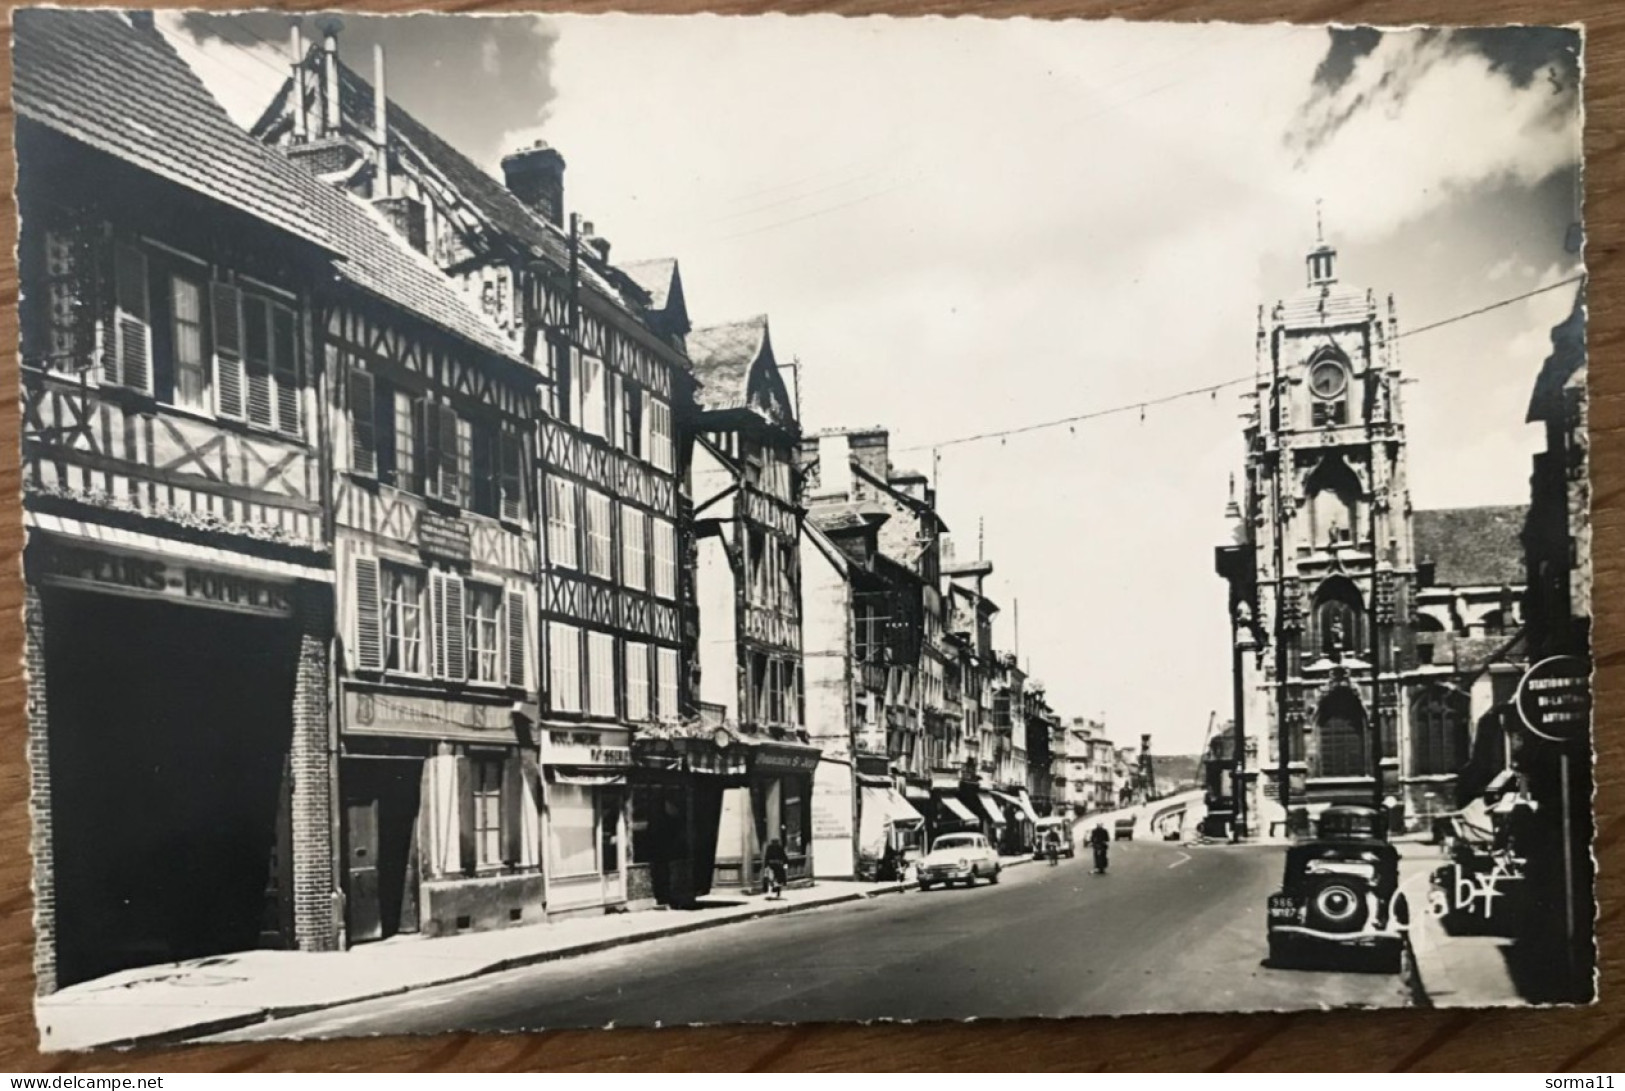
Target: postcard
pixel 579 521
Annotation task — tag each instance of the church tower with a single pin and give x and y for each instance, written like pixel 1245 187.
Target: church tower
pixel 1322 563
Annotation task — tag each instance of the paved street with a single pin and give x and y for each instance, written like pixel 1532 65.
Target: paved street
pixel 1167 929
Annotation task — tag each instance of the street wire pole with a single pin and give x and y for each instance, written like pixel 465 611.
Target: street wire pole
pixel 1238 776
pixel 1378 732
pixel 1283 737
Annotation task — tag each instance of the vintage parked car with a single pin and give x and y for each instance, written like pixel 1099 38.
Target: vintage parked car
pixel 1058 829
pixel 959 858
pixel 1340 896
pixel 1125 829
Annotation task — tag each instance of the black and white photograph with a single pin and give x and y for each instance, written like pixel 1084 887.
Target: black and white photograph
pixel 543 521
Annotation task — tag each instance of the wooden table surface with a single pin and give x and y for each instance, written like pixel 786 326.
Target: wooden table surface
pixel 1587 1039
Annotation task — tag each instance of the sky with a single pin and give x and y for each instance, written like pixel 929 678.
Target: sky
pixel 962 225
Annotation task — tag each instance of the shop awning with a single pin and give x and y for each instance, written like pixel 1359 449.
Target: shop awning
pixel 992 809
pixel 879 811
pixel 870 780
pixel 1019 803
pixel 958 810
pixel 585 778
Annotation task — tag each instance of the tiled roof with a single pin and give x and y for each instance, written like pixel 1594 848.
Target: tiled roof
pixel 723 357
pixel 73 71
pixel 97 78
pixel 1331 305
pixel 490 198
pixel 833 518
pixel 1472 547
pixel 655 277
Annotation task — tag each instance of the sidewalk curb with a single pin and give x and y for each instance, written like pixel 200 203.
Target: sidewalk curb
pixel 210 1027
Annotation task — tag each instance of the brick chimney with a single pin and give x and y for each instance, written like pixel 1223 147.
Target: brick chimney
pixel 535 175
pixel 871 449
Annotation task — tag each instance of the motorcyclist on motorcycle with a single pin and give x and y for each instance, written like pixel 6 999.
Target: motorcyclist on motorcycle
pixel 1099 839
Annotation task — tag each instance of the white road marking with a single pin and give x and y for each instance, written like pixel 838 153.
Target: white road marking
pixel 1184 858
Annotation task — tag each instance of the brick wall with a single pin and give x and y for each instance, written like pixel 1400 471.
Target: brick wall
pixel 316 911
pixel 39 796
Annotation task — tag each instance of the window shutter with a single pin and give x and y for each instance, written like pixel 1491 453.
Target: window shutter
pixel 369 635
pixel 363 424
pixel 285 363
pixel 468 850
pixel 513 796
pixel 645 422
pixel 450 634
pixel 429 414
pixel 449 464
pixel 229 379
pixel 516 638
pixel 131 362
pixel 511 456
pixel 257 362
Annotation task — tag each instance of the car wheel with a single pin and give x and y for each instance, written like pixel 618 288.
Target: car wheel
pixel 993 879
pixel 1280 953
pixel 924 885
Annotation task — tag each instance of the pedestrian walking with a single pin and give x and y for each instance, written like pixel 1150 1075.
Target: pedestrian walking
pixel 775 869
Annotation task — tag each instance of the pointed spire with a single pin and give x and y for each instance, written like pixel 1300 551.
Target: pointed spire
pixel 1232 510
pixel 1322 260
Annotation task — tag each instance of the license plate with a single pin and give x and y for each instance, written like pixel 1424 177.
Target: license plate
pixel 1283 908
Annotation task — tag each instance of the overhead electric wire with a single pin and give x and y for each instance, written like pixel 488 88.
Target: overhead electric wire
pixel 1214 388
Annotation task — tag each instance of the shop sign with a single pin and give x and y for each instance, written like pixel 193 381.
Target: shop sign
pixel 448 539
pixel 431 717
pixel 1554 698
pixel 776 760
pixel 122 573
pixel 564 747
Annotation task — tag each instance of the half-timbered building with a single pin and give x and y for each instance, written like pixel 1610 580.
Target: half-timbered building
pixel 195 309
pixel 173 497
pixel 748 586
pixel 608 500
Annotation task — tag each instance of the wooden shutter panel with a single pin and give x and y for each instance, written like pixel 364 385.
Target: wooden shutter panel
pixel 468 850
pixel 513 478
pixel 515 619
pixel 369 629
pixel 513 797
pixel 257 361
pixel 229 380
pixel 285 367
pixel 131 362
pixel 451 478
pixel 429 415
pixel 363 423
pixel 450 633
pixel 437 630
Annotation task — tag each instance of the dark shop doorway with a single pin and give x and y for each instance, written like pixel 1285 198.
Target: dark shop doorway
pixel 169 731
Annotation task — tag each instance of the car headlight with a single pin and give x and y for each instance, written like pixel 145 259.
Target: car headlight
pixel 964 863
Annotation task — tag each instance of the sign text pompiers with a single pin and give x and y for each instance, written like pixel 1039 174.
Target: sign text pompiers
pixel 147 577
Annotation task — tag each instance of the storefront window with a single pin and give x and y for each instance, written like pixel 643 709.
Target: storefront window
pixel 488 812
pixel 609 828
pixel 795 818
pixel 572 833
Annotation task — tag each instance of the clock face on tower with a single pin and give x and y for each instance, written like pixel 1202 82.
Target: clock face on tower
pixel 1328 379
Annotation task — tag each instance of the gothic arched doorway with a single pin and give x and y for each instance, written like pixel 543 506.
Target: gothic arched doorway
pixel 1342 735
